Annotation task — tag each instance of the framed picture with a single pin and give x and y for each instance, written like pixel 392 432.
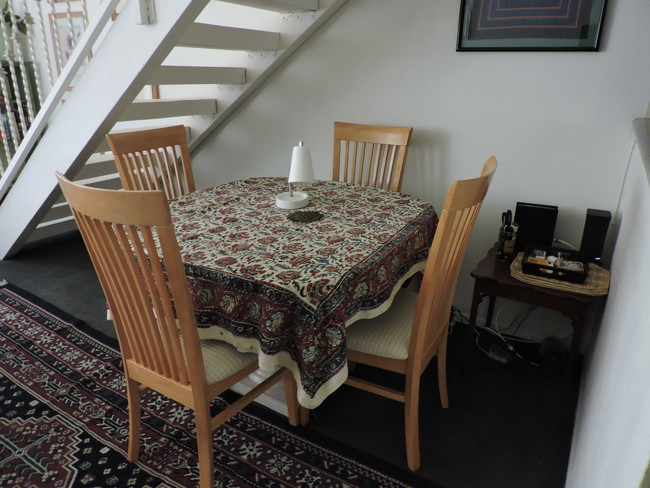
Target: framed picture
pixel 64 36
pixel 530 25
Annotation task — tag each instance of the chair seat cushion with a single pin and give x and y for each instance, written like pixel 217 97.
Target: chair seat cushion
pixel 388 334
pixel 222 360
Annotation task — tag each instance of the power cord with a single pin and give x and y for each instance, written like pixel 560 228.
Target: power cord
pixel 457 313
pixel 521 318
pixel 560 241
pixel 504 339
pixel 453 320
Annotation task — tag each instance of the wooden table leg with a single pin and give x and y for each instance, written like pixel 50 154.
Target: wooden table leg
pixel 577 321
pixel 490 314
pixel 477 298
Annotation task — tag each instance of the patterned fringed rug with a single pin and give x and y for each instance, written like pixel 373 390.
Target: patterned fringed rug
pixel 63 421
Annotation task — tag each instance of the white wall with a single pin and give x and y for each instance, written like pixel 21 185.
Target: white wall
pixel 558 122
pixel 611 445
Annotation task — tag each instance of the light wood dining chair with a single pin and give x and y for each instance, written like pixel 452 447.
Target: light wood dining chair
pixel 370 155
pixel 413 330
pixel 154 316
pixel 154 159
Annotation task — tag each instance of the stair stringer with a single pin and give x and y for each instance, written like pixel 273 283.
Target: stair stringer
pixel 112 79
pixel 290 44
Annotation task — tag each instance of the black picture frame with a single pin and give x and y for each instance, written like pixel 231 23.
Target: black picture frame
pixel 530 25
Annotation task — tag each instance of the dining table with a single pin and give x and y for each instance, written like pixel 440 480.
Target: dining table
pixel 286 284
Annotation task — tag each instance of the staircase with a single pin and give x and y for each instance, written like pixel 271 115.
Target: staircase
pixel 195 65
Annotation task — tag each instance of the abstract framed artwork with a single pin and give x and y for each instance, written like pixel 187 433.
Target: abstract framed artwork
pixel 66 29
pixel 530 25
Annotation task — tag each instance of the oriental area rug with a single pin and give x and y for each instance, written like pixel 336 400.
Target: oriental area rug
pixel 64 421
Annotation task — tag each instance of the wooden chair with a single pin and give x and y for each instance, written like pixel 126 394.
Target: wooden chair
pixel 370 155
pixel 405 338
pixel 154 159
pixel 154 316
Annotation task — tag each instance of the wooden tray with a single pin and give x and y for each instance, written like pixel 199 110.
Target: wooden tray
pixel 596 283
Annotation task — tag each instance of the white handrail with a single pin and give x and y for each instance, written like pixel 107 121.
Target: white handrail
pixel 39 125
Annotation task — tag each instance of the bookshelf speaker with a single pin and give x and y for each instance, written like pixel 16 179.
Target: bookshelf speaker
pixel 595 233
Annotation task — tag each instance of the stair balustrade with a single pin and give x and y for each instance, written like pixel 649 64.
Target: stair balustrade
pixel 65 83
pixel 40 59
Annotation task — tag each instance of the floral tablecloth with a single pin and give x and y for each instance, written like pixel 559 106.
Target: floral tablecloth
pixel 288 290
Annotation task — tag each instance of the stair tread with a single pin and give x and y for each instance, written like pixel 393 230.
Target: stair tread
pixel 278 5
pixel 52 223
pixel 156 101
pixel 195 75
pixel 170 107
pixel 233 38
pixel 100 158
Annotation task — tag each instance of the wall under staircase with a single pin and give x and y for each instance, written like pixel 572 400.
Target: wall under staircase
pixel 243 44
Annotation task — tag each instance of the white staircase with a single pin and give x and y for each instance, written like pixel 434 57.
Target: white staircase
pixel 203 70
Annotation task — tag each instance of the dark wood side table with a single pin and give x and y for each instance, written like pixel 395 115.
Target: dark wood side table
pixel 492 279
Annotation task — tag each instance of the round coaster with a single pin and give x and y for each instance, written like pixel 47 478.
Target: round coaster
pixel 305 216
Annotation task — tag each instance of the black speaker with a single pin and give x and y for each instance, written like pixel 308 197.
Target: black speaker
pixel 595 233
pixel 536 224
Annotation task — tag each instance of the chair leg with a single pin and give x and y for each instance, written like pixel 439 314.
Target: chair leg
pixel 133 396
pixel 304 415
pixel 204 445
pixel 442 371
pixel 412 424
pixel 291 394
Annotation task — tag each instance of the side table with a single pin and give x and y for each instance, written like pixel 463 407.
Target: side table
pixel 492 279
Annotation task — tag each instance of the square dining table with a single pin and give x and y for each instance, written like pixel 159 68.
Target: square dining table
pixel 267 282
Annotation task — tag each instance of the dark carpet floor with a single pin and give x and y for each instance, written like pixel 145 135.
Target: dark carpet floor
pixel 509 425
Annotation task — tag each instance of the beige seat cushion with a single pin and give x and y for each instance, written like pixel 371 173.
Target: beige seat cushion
pixel 222 360
pixel 388 334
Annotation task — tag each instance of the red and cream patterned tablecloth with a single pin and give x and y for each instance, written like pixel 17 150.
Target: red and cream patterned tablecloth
pixel 287 290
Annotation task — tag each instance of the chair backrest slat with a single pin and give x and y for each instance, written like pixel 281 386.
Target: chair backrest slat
pixel 156 332
pixel 129 235
pixel 370 155
pixel 462 204
pixel 154 159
